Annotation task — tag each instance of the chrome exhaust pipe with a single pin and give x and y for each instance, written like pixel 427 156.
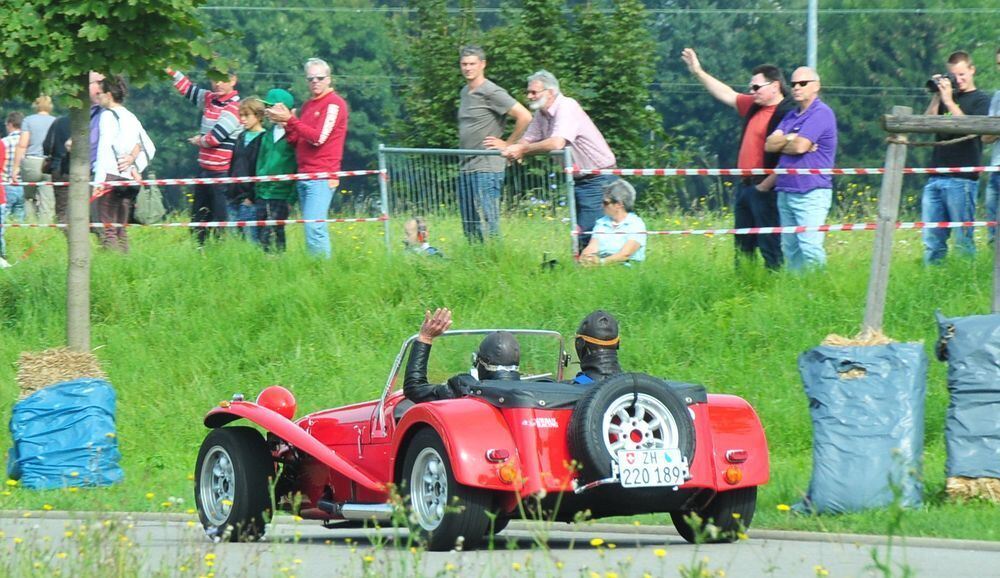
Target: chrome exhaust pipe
pixel 362 512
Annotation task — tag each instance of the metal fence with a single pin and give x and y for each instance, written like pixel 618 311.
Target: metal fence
pixel 422 181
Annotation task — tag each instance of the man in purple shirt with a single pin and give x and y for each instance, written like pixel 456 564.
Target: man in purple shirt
pixel 561 122
pixel 806 138
pixel 95 112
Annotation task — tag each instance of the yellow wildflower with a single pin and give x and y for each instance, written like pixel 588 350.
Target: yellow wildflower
pixel 784 507
pixel 660 552
pixel 597 542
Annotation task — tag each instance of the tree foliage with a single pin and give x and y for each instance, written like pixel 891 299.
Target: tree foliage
pixel 49 46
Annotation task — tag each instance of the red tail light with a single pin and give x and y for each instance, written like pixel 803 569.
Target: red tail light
pixel 737 456
pixel 497 455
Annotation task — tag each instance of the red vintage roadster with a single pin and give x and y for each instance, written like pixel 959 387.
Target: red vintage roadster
pixel 537 447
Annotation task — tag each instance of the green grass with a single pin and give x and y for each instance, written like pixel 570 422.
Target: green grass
pixel 177 330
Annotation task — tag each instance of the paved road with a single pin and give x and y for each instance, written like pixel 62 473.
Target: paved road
pixel 305 549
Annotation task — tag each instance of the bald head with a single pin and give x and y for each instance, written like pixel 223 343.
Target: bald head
pixel 805 86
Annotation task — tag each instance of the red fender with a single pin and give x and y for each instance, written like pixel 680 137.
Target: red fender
pixel 735 425
pixel 287 430
pixel 468 428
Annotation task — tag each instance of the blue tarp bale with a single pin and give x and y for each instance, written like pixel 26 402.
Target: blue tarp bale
pixel 64 435
pixel 867 409
pixel 971 345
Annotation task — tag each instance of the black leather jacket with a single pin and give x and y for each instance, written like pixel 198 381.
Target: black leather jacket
pixel 415 386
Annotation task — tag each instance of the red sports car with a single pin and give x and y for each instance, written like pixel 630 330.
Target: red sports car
pixel 537 447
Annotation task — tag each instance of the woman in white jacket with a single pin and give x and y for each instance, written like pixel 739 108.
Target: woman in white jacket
pixel 121 155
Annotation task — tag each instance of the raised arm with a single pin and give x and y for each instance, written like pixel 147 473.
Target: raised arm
pixel 415 386
pixel 720 90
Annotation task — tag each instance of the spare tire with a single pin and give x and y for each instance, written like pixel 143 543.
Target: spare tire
pixel 627 411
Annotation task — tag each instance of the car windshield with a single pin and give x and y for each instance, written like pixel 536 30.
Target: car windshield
pixel 452 354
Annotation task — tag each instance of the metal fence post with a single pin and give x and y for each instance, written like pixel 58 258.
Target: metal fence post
pixel 570 196
pixel 383 186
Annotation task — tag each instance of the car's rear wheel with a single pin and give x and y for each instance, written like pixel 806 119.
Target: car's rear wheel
pixel 231 479
pixel 630 411
pixel 444 511
pixel 729 512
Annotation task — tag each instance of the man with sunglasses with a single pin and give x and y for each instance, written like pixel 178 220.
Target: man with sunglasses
pixel 755 203
pixel 318 134
pixel 806 139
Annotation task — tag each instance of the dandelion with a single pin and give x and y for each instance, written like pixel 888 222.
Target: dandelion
pixel 820 571
pixel 183 568
pixel 449 567
pixel 210 556
pixel 736 516
pixel 26 515
pixel 742 536
pixel 297 561
pixel 5 493
pixel 47 507
pixel 596 542
pixel 190 511
pixel 11 483
pixel 369 559
pixel 612 546
pixel 784 507
pixel 150 495
pixel 647 575
pixel 636 523
pixel 610 575
pixel 516 566
pixel 190 524
pixel 559 564
pixel 68 533
pixel 73 490
pixel 720 573
pixel 18 540
pixel 659 552
pixel 61 555
pixel 227 502
pixel 166 504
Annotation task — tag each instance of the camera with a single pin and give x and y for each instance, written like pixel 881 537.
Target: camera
pixel 932 84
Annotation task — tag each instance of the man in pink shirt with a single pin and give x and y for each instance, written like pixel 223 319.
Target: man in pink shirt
pixel 561 122
pixel 318 134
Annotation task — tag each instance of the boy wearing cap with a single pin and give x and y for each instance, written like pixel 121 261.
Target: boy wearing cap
pixel 276 156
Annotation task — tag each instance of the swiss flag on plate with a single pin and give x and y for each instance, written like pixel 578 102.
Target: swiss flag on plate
pixel 630 458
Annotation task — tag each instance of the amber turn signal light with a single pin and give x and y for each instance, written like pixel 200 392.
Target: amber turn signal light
pixel 733 475
pixel 507 473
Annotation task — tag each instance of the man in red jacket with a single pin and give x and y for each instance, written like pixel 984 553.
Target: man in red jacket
pixel 318 134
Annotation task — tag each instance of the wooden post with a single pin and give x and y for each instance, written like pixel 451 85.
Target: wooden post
pixel 888 213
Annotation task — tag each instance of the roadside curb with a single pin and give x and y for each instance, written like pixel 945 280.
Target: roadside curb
pixel 593 530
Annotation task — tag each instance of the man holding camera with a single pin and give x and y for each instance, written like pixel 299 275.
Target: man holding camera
pixel 952 197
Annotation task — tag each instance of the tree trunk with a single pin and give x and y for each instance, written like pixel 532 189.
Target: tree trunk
pixel 78 267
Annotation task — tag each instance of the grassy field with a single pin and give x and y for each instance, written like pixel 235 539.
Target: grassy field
pixel 177 330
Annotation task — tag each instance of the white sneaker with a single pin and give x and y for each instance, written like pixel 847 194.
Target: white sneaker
pixel 4 264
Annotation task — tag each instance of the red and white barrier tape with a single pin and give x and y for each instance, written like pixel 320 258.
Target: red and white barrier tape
pixel 205 224
pixel 217 180
pixel 814 229
pixel 759 172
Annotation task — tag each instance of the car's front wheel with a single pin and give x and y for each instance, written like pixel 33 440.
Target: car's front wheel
pixel 232 479
pixel 443 511
pixel 722 520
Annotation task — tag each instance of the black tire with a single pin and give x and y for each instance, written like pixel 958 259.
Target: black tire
pixel 499 525
pixel 731 512
pixel 232 484
pixel 587 442
pixel 443 510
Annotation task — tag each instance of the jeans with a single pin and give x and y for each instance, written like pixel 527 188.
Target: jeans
pixel 753 208
pixel 588 194
pixel 808 209
pixel 948 199
pixel 314 198
pixel 480 191
pixel 992 199
pixel 243 212
pixel 209 203
pixel 276 210
pixel 15 202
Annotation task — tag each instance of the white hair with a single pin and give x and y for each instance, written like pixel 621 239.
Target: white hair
pixel 316 62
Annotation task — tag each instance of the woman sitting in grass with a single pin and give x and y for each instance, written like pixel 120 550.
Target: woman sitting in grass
pixel 620 235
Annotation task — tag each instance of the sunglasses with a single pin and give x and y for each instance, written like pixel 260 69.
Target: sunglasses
pixel 802 83
pixel 607 202
pixel 315 78
pixel 756 87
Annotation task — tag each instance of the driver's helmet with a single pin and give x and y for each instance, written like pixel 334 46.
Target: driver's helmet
pixel 498 357
pixel 598 331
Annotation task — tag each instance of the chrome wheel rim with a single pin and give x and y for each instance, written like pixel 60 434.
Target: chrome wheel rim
pixel 646 424
pixel 429 489
pixel 217 486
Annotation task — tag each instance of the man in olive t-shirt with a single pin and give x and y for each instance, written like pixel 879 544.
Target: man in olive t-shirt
pixel 482 111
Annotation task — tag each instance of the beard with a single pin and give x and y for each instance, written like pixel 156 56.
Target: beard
pixel 537 105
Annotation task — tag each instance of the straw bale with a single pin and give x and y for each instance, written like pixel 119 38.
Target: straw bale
pixel 865 338
pixel 962 488
pixel 38 370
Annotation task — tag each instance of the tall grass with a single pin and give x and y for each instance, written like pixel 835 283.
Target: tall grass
pixel 179 329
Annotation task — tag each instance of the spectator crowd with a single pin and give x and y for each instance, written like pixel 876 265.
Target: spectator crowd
pixel 786 124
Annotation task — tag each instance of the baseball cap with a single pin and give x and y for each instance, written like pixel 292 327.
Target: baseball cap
pixel 276 95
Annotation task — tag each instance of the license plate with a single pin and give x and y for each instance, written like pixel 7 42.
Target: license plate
pixel 649 468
